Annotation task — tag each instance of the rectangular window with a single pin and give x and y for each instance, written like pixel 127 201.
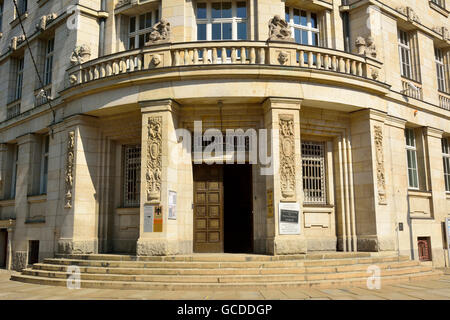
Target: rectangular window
pixel 140 27
pixel 304 26
pixel 22 6
pixel 313 169
pixel 131 175
pixel 411 153
pixel 19 78
pixel 446 159
pixel 440 69
pixel 440 3
pixel 221 20
pixel 405 54
pixel 44 165
pixel 49 61
pixel 1 15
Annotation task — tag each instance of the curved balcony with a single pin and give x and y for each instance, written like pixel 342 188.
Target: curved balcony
pixel 233 53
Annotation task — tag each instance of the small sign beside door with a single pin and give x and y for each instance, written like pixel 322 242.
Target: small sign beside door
pixel 153 219
pixel 270 203
pixel 172 210
pixel 289 220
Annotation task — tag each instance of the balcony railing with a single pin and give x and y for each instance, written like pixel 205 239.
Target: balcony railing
pixel 242 53
pixel 42 94
pixel 412 89
pixel 444 101
pixel 13 109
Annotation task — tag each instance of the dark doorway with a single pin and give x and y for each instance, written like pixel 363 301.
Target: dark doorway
pixel 238 208
pixel 424 247
pixel 33 252
pixel 3 246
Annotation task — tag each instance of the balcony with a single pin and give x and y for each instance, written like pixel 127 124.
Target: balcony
pixel 13 109
pixel 444 101
pixel 42 94
pixel 412 89
pixel 235 54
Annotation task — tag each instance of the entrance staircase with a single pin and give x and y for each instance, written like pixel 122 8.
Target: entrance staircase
pixel 226 271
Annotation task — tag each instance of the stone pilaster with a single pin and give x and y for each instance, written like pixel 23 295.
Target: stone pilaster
pixel 161 172
pixel 5 174
pixel 78 216
pixel 282 119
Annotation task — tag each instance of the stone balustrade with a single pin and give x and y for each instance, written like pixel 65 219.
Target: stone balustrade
pixel 281 54
pixel 444 101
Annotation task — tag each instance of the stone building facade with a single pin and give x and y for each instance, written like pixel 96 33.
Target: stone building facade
pixel 347 102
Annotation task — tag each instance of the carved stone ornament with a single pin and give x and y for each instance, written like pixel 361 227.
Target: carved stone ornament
pixel 44 21
pixel 122 3
pixel 16 41
pixel 366 47
pixel 160 32
pixel 69 169
pixel 409 12
pixel 155 60
pixel 374 73
pixel 279 29
pixel 443 31
pixel 283 57
pixel 80 54
pixel 381 183
pixel 287 157
pixel 154 159
pixel 73 79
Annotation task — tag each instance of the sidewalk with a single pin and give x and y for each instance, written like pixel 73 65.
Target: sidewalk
pixel 419 290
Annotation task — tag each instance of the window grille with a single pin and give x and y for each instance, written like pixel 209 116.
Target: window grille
pixel 313 169
pixel 132 175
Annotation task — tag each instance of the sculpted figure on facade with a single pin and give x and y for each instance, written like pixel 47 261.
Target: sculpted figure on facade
pixel 381 183
pixel 16 41
pixel 80 55
pixel 287 157
pixel 45 20
pixel 160 32
pixel 154 159
pixel 279 29
pixel 366 47
pixel 443 31
pixel 283 57
pixel 69 169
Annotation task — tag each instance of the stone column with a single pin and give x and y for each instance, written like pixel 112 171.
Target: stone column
pixel 375 220
pixel 78 219
pixel 433 157
pixel 282 118
pixel 161 172
pixel 9 250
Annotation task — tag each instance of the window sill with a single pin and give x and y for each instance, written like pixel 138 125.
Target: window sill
pixel 37 199
pixel 15 22
pixel 419 193
pixel 7 203
pixel 439 9
pixel 35 220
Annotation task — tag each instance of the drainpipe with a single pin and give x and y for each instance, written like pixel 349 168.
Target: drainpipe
pixel 346 27
pixel 101 44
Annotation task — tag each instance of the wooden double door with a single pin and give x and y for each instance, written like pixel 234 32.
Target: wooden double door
pixel 223 216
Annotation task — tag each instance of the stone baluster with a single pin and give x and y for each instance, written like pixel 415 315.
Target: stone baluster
pixel 224 55
pixel 353 67
pixel 131 63
pixel 214 56
pixel 195 56
pixel 319 61
pixel 187 58
pixel 262 56
pixel 347 65
pixel 360 69
pixel 334 63
pixel 326 62
pixel 176 58
pixel 233 55
pixel 123 65
pixel 102 70
pixel 243 55
pixel 252 55
pixel 310 59
pixel 341 65
pixel 109 70
pixel 205 56
pixel 302 58
pixel 139 62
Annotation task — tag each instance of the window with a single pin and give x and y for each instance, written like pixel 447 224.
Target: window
pixel 304 26
pixel 440 69
pixel 440 3
pixel 22 6
pixel 411 153
pixel 48 68
pixel 405 54
pixel 131 175
pixel 15 158
pixel 446 158
pixel 221 20
pixel 1 15
pixel 140 27
pixel 313 169
pixel 19 79
pixel 44 165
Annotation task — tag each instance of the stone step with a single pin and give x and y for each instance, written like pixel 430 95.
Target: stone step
pixel 216 257
pixel 223 271
pixel 224 278
pixel 227 264
pixel 388 279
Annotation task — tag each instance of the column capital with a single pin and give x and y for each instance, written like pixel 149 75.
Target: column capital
pixel 370 114
pixel 26 138
pixel 396 122
pixel 150 106
pixel 282 103
pixel 80 119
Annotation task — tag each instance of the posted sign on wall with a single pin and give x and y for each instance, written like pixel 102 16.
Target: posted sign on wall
pixel 153 221
pixel 289 218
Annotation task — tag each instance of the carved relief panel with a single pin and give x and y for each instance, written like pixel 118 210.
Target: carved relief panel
pixel 154 159
pixel 69 169
pixel 287 157
pixel 381 183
